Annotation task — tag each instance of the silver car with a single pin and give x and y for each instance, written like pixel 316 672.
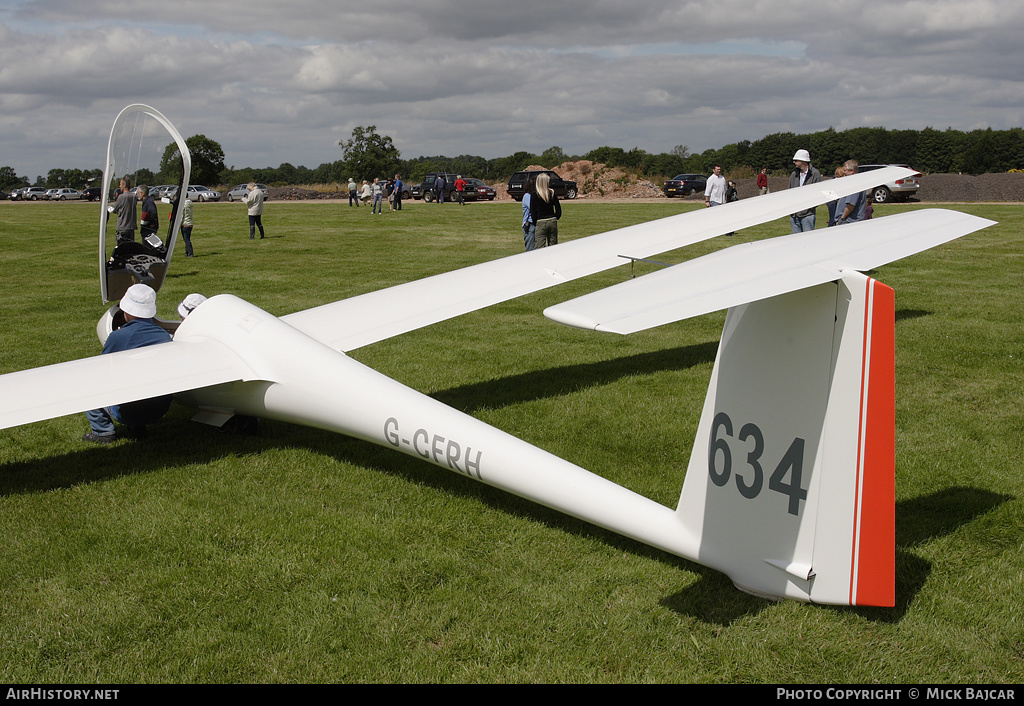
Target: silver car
pixel 199 194
pixel 238 193
pixel 900 189
pixel 33 193
pixel 65 195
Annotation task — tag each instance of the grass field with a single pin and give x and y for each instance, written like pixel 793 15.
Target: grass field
pixel 302 556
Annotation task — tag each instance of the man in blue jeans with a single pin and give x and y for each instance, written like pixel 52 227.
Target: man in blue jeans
pixel 529 227
pixel 803 174
pixel 139 330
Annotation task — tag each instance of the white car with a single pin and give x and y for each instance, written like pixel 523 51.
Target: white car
pixel 64 194
pixel 199 194
pixel 238 193
pixel 900 189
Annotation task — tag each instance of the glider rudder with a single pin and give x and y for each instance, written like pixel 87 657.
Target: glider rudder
pixel 790 486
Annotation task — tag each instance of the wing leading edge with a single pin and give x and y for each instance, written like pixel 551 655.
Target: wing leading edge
pixel 762 269
pixel 116 378
pixel 362 320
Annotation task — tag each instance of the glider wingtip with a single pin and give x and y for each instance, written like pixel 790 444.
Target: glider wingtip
pixel 568 317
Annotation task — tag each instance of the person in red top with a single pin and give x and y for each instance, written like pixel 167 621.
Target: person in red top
pixel 460 186
pixel 762 181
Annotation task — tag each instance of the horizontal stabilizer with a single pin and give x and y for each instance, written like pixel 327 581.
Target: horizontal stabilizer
pixel 105 380
pixel 365 319
pixel 762 269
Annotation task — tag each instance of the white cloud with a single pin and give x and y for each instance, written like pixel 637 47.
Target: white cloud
pixel 275 82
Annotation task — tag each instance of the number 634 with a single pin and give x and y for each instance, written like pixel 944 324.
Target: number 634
pixel 749 478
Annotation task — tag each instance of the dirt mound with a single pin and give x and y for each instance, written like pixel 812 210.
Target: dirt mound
pixel 595 180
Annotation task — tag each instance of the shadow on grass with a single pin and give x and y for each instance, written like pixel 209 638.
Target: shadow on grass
pixel 906 314
pixel 715 600
pixel 554 382
pixel 711 598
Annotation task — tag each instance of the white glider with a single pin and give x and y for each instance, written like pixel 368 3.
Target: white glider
pixel 790 487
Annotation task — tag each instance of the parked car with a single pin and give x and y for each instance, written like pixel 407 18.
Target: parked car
pixel 51 194
pixel 684 185
pixel 65 194
pixel 18 194
pixel 562 188
pixel 199 194
pixel 407 191
pixel 33 193
pixel 238 193
pixel 425 189
pixel 477 190
pixel 92 193
pixel 159 192
pixel 901 189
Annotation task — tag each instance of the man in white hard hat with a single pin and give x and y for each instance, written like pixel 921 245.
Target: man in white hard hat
pixel 139 330
pixel 803 174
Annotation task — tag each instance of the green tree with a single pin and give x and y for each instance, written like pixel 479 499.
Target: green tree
pixel 368 155
pixel 207 159
pixel 552 157
pixel 171 164
pixel 9 179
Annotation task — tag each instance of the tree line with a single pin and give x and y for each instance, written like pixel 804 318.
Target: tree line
pixel 368 154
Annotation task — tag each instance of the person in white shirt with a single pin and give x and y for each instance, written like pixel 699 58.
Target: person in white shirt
pixel 714 192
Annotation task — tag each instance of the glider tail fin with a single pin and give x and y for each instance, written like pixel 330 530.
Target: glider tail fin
pixel 790 486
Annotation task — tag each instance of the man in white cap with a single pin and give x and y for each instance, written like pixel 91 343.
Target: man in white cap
pixel 803 174
pixel 139 330
pixel 189 303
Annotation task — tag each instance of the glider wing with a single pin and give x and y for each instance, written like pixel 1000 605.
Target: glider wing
pixel 759 270
pixel 116 378
pixel 365 319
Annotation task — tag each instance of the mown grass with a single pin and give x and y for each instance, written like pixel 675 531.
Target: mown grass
pixel 302 556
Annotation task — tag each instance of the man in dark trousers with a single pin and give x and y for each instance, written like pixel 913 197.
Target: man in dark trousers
pixel 439 188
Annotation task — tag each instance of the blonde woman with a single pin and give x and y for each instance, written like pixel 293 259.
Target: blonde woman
pixel 545 211
pixel 254 200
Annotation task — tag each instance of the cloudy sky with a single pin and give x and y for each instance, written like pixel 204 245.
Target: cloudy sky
pixel 285 80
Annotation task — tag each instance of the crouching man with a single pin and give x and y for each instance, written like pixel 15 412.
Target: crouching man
pixel 139 330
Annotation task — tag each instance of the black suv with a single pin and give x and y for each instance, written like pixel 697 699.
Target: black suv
pixel 425 189
pixel 684 185
pixel 563 189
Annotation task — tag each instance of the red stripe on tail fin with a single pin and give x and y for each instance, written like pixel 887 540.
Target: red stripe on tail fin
pixel 876 555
